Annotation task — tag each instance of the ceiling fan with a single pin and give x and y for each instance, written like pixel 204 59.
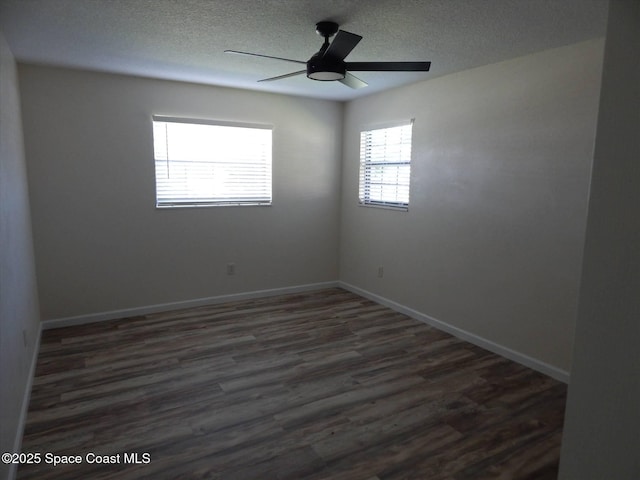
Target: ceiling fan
pixel 328 63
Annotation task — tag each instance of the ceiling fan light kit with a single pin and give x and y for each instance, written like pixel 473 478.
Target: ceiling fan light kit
pixel 328 63
pixel 325 71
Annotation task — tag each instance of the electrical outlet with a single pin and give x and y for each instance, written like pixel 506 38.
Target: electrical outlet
pixel 380 272
pixel 231 268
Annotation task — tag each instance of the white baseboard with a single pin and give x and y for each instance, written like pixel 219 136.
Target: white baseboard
pixel 165 307
pixel 527 361
pixel 26 397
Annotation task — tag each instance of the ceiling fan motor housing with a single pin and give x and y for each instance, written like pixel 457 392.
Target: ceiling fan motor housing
pixel 325 69
pixel 320 67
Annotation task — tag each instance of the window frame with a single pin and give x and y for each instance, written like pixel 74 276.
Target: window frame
pixel 364 197
pixel 214 201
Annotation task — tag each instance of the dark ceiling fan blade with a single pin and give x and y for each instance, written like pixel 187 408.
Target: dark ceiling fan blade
pixel 352 81
pixel 279 77
pixel 236 52
pixel 342 45
pixel 388 66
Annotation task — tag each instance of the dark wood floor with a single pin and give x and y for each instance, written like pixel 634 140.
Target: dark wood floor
pixel 320 385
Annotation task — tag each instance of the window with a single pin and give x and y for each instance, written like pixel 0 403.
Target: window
pixel 204 163
pixel 385 166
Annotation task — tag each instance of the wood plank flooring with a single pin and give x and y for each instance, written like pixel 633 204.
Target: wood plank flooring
pixel 320 385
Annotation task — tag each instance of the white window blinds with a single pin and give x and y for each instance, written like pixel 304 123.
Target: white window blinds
pixel 385 166
pixel 202 163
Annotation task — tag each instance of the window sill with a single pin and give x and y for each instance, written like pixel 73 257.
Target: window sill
pixel 207 205
pixel 404 208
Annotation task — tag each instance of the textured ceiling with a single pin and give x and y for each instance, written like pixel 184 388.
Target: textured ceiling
pixel 185 39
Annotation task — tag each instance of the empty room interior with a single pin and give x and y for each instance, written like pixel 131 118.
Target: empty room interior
pixel 320 240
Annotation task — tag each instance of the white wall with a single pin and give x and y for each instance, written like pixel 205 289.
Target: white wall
pixel 492 241
pixel 602 426
pixel 19 317
pixel 101 244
